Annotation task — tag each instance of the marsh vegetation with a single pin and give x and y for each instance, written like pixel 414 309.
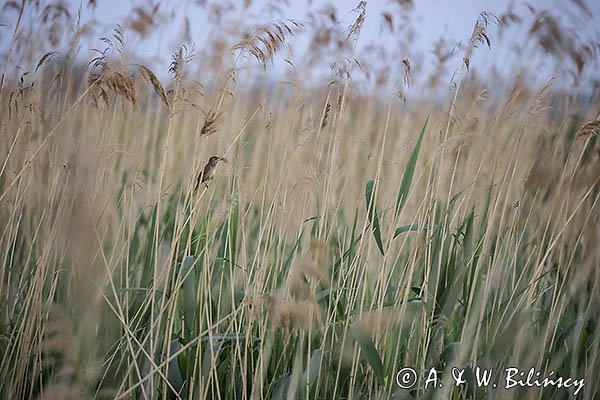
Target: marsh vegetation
pixel 370 218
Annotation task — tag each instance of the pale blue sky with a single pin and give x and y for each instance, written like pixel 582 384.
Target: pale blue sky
pixel 431 20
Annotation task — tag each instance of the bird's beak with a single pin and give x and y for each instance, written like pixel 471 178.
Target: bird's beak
pixel 223 159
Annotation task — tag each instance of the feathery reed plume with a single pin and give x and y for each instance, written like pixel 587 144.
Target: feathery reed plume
pixel 442 53
pixel 179 59
pixel 589 128
pixel 266 40
pixel 117 42
pixel 55 16
pixel 406 71
pixel 44 58
pixel 149 77
pixel 406 4
pixel 288 313
pixel 508 19
pixel 19 93
pixel 556 38
pixel 59 338
pixel 111 78
pixel 211 119
pixel 144 18
pixel 326 116
pixel 61 356
pixel 11 5
pixel 479 35
pixel 310 269
pixel 354 30
pixel 388 20
pixel 405 79
pixel 269 124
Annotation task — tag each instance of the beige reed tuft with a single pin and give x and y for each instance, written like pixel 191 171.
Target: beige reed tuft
pixel 266 40
pixel 111 79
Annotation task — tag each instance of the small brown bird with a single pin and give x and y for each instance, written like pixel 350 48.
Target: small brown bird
pixel 209 171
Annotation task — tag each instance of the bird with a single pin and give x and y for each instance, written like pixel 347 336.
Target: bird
pixel 208 173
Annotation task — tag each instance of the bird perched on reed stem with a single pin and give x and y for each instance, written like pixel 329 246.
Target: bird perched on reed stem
pixel 209 171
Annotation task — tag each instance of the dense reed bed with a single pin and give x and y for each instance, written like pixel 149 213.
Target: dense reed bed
pixel 351 234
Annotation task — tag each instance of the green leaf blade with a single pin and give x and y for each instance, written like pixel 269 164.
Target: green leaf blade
pixel 372 214
pixel 409 172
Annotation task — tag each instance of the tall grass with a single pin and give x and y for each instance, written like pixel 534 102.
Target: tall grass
pixel 347 238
